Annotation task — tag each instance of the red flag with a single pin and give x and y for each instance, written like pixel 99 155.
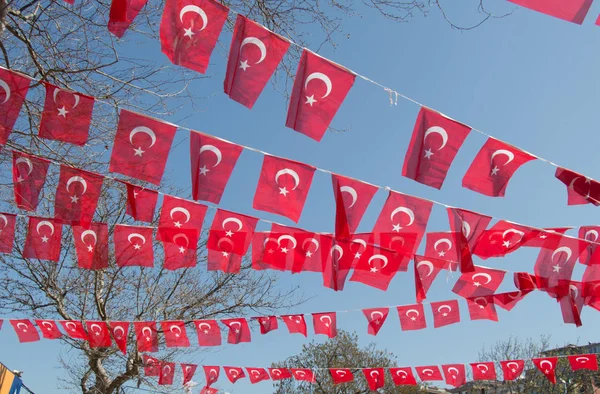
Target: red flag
pixel 426 270
pixel 572 11
pixel 141 147
pixel 212 160
pixel 303 374
pixel 122 13
pixel 455 374
pixel 403 376
pixel 209 333
pixel 267 324
pixel 120 333
pixel 313 105
pixel 480 282
pixel 179 214
pixel 175 333
pixel 151 365
pixel 325 323
pixel 295 324
pixel 525 282
pixel 591 282
pixel 141 202
pixel 212 374
pixel 556 262
pixel 238 330
pixel 493 167
pixel 583 361
pixel 282 187
pixel 167 373
pixel 547 366
pixel 588 254
pixel 234 373
pixel 412 317
pixel 29 176
pixel 99 335
pixel 7 232
pixel 377 267
pixel 189 30
pixel 429 373
pixel 482 308
pixel 340 260
pixel 279 373
pixel 445 313
pixel 503 238
pixel 146 335
pixel 74 329
pixel 133 246
pixel 188 371
pixel 14 89
pixel 547 235
pixel 49 329
pixel 512 369
pixel 376 317
pixel 257 375
pixel 208 390
pixel 439 245
pixel 507 301
pixel 569 294
pixel 66 116
pixel 25 330
pixel 253 57
pixel 484 371
pixel 77 195
pixel 375 377
pixel 352 197
pixel 467 227
pixel 43 239
pixel 230 233
pixel 435 142
pixel 341 375
pixel 580 189
pixel 181 253
pixel 91 245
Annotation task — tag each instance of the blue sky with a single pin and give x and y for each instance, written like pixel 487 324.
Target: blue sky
pixel 527 79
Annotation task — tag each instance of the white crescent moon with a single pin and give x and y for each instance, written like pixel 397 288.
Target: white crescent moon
pixel 428 371
pixel 361 242
pixel 48 325
pixel 233 220
pixel 337 248
pixel 136 235
pixel 405 210
pixel 323 318
pixel 427 264
pixel 213 149
pixel 376 373
pixel 571 185
pixel 575 290
pixel 512 362
pixel 227 241
pixel 352 192
pixel 145 130
pixel 453 369
pixel 236 323
pixel 197 10
pixel 466 229
pixel 521 234
pixel 269 239
pixel 209 327
pixel 292 173
pixel 276 371
pixel 182 210
pixel 89 232
pixel 258 43
pixel 96 326
pixel 486 276
pixel 546 362
pixel 379 257
pixel 119 329
pixel 563 249
pixel 144 332
pixel 69 324
pixel 312 241
pixel 180 235
pixel 6 88
pixel 45 223
pixel 504 152
pixel 375 313
pixel 591 232
pixel 340 373
pixel 412 310
pixel 444 307
pixel 583 359
pixel 289 238
pixel 437 130
pixel 166 370
pixel 400 372
pixel 4 219
pixel 300 373
pixel 77 179
pixel 252 371
pixel 24 325
pixel 57 90
pixel 481 298
pixel 323 78
pixel 397 238
pixel 27 162
pixel 174 328
pixel 442 241
pixel 484 369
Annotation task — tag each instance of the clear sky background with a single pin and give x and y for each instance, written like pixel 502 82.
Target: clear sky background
pixel 528 79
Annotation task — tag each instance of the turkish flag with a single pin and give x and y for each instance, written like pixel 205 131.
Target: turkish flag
pixel 412 317
pixel 175 333
pixel 181 253
pixel 325 323
pixel 508 301
pixel 547 366
pixel 209 333
pixel 503 238
pixel 188 371
pixel 580 189
pixel 257 375
pixel 455 374
pixel 467 227
pixel 266 253
pixel 435 142
pixel 14 89
pixel 572 11
pixel 212 161
pixel 189 30
pixel 282 187
pixel 66 116
pixel 556 261
pixel 91 245
pixel 319 89
pixel 303 374
pixel 493 167
pixel 208 390
pixel 482 308
pixel 267 324
pixel 525 282
pixel 146 334
pixel 440 245
pixel 512 369
pixel 151 365
pixel 133 246
pixel 25 330
pixel 376 317
pixel 375 377
pixel 74 329
pixel 426 270
pixel 588 255
pixel 224 261
pixel 403 376
pixel 253 57
pixel 7 232
pixel 340 260
pixel 43 239
pixel 141 202
pixel 29 176
pixel 279 373
pixel 179 214
pixel 120 333
pixel 591 282
pixel 546 235
pixel 341 375
pixel 352 197
pixel 167 373
pixel 141 147
pixel 445 313
pixel 480 282
pixel 376 267
pixel 484 371
pixel 429 373
pixel 212 374
pixel 98 334
pixel 77 195
pixel 234 373
pixel 583 361
pixel 122 13
pixel 239 331
pixel 569 294
pixel 49 329
pixel 230 233
pixel 295 324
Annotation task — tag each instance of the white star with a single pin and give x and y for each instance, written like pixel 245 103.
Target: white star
pixel 237 331
pixel 413 318
pixel 377 322
pixel 514 370
pixel 244 65
pixel 481 307
pixel 188 33
pixel 543 236
pixel 373 269
pixel 506 244
pixel 206 331
pixel 284 250
pixel 225 254
pixel 308 254
pixel 284 191
pixel 19 179
pixel 177 224
pixel 181 249
pixel 90 248
pixel 495 170
pixel 229 233
pixel 556 268
pixel 137 247
pixel 357 255
pixel 270 251
pixel 310 100
pixel 546 371
pixel 396 228
pixel 428 153
pixel 74 199
pixel 203 170
pixel 138 152
pixel 588 180
pixel 444 314
pixel 442 253
pixel 477 284
pixel 44 239
pixel 63 112
pixel 135 194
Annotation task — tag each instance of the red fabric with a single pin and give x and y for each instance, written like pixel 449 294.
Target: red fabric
pixel 286 248
pixel 482 308
pixel 553 234
pixel 224 261
pixel 146 335
pixel 43 239
pixel 591 282
pixel 66 115
pixel 175 333
pixel 49 329
pixel 512 369
pixel 167 373
pixel 493 167
pixel 180 253
pixel 572 11
pixel 248 67
pixel 91 245
pixel 375 317
pixel 467 227
pixel 209 390
pixel 403 376
pixel 588 255
pixel 342 257
pixel 141 202
pixel 503 238
pixel 74 329
pixel 239 331
pixel 341 375
pixel 433 146
pixel 99 334
pixel 319 89
pixel 556 261
pixel 267 324
pixel 234 373
pixel 480 282
pixel 325 323
pixel 580 189
pixel 257 375
pixel 484 371
pixel 303 374
pixel 525 282
pixel 25 330
pixel 569 294
pixel 122 13
pixel 279 373
pixel 547 366
pixel 151 365
pixel 188 371
pixel 29 176
pixel 189 30
pixel 352 197
pixel 7 232
pixel 282 187
pixel 445 313
pixel 375 377
pixel 212 162
pixel 211 373
pixel 133 246
pixel 178 214
pixel 120 333
pixel 412 317
pixel 141 147
pixel 12 97
pixel 209 333
pixel 426 270
pixel 508 301
pixel 77 195
pixel 439 245
pixel 295 324
pixel 376 267
pixel 429 373
pixel 230 233
pixel 583 361
pixel 455 374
